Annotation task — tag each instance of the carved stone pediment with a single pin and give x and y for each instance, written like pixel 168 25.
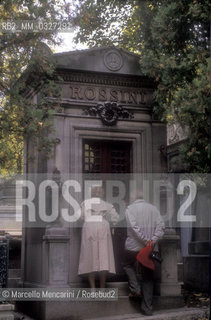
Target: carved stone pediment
pixel 106 60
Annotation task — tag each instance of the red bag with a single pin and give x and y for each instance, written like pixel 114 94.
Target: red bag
pixel 144 257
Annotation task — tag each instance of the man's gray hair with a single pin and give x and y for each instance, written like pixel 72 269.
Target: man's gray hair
pixel 139 194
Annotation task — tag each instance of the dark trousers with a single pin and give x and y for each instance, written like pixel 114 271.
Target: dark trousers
pixel 139 277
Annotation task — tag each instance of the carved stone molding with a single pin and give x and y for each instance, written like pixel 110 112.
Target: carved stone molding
pixel 114 80
pixel 113 60
pixel 109 113
pixel 175 134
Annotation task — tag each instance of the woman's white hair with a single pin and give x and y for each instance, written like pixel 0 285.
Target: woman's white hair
pixel 97 191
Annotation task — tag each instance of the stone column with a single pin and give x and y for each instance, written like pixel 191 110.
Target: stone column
pixel 169 285
pixel 55 257
pixel 196 264
pixel 200 235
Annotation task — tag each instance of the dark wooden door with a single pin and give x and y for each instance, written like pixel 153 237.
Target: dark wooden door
pixel 113 158
pixel 106 157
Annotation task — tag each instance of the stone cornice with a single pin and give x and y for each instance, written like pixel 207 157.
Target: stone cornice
pixel 112 80
pixel 69 103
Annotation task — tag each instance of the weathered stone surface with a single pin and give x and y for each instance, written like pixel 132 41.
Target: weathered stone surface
pixel 177 314
pixel 91 78
pixel 108 60
pixel 6 311
pixel 196 272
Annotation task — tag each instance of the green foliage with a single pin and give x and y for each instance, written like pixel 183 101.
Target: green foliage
pixel 26 65
pixel 172 37
pixel 180 62
pixel 101 22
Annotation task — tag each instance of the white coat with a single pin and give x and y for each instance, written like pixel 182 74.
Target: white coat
pixel 96 252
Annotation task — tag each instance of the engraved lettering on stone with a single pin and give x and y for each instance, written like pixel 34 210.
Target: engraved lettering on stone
pixel 132 97
pixel 106 94
pixel 114 95
pixel 76 93
pixel 90 93
pixel 102 95
pixel 122 98
pixel 143 97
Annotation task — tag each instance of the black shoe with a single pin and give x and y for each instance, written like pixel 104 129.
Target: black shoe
pixel 147 312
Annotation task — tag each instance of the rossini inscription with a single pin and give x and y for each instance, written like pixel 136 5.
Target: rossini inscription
pixel 92 93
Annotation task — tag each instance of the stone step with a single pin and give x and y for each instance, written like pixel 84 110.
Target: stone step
pixel 6 311
pixel 21 316
pixel 96 309
pixel 121 286
pixel 175 314
pixel 123 290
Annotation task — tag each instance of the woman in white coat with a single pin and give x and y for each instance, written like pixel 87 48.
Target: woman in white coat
pixel 96 254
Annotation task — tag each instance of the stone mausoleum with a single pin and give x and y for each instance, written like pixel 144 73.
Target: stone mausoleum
pixel 104 127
